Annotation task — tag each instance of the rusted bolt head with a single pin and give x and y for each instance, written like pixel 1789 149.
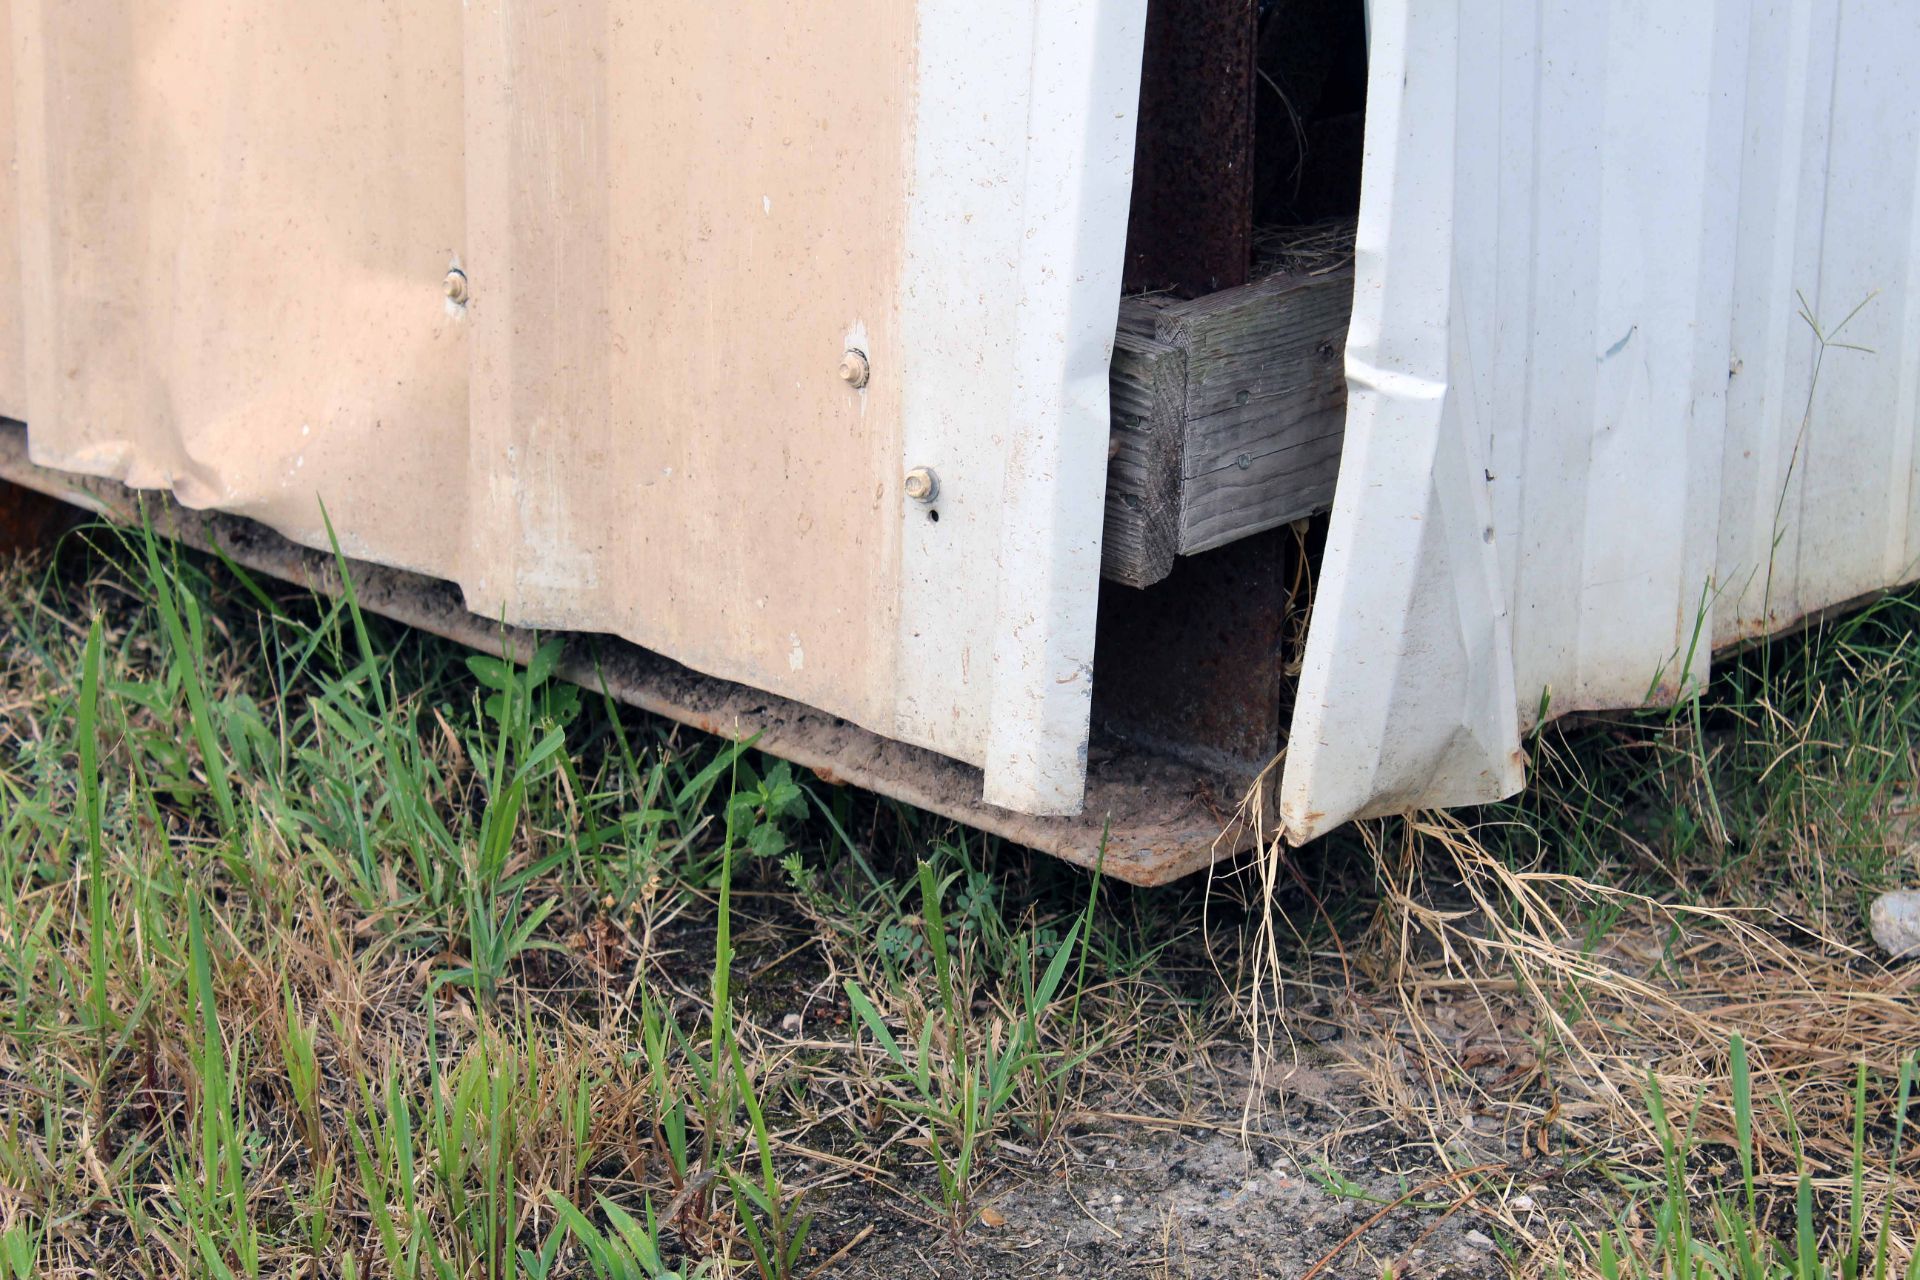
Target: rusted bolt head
pixel 854 368
pixel 456 287
pixel 922 485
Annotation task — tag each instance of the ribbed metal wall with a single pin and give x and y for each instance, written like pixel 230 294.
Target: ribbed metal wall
pixel 632 319
pixel 1634 363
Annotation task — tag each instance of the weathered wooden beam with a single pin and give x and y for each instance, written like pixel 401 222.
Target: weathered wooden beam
pixel 1148 389
pixel 1227 417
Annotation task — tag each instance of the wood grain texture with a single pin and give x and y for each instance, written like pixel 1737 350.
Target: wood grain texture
pixel 1147 390
pixel 1254 441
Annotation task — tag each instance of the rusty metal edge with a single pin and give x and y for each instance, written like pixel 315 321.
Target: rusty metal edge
pixel 1162 824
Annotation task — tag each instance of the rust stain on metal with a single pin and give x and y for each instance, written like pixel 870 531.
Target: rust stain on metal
pixel 1197 658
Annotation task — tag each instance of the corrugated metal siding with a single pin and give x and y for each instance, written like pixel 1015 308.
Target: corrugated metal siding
pixel 1586 441
pixel 234 222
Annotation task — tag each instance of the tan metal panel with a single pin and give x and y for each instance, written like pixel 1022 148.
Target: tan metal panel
pixel 234 229
pixel 674 228
pixel 240 225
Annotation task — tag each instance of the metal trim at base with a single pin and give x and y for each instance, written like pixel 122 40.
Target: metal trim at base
pixel 1160 817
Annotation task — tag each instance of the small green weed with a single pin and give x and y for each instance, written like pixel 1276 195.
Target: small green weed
pixel 954 1075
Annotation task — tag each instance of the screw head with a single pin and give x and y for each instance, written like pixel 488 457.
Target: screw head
pixel 456 287
pixel 921 484
pixel 854 369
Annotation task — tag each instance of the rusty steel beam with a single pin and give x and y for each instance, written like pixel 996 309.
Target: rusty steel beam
pixel 1193 667
pixel 1190 229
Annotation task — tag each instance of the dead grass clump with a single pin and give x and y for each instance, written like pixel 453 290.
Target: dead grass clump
pixel 1527 1014
pixel 1304 251
pixel 1656 955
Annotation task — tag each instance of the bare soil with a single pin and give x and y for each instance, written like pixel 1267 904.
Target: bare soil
pixel 1199 1200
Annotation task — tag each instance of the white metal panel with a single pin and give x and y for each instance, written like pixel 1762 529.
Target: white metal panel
pixel 1023 164
pixel 1079 129
pixel 1586 442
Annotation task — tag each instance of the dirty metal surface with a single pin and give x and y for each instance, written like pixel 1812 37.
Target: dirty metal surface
pixel 13 358
pixel 1168 817
pixel 1191 225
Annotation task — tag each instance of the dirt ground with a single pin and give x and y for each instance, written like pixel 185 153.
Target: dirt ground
pixel 1204 1199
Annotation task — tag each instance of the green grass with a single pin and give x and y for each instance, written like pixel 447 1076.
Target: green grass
pixel 1790 778
pixel 1736 1237
pixel 295 908
pixel 1782 796
pixel 953 1076
pixel 329 949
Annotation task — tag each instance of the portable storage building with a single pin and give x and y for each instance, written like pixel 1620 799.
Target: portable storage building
pixel 787 344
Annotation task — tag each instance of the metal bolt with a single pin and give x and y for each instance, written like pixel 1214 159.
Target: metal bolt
pixel 854 369
pixel 456 287
pixel 922 484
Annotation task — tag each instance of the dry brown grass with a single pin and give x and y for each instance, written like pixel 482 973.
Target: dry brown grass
pixel 1506 1023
